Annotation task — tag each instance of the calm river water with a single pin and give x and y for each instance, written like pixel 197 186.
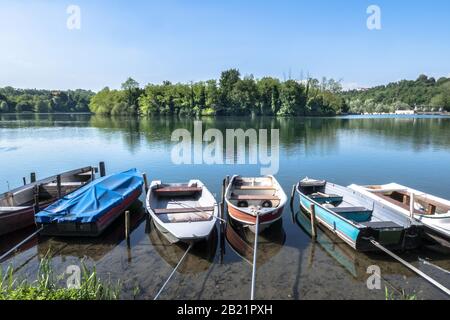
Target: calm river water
pixel 413 151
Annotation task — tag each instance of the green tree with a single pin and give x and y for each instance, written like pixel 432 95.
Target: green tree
pixel 132 93
pixel 4 107
pixel 293 99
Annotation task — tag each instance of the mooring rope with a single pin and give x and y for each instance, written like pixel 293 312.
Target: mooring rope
pixel 173 272
pixel 17 246
pixel 255 251
pixel 410 266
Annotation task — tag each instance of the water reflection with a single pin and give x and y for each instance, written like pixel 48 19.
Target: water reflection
pixel 199 259
pixel 242 241
pixel 94 249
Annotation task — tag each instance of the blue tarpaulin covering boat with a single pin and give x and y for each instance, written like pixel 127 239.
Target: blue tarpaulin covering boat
pixel 89 210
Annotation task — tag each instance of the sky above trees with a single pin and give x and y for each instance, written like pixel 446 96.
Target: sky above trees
pixel 185 41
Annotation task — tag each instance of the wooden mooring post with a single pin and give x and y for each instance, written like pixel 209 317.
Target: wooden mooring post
pixel 58 186
pixel 127 224
pixel 144 176
pixel 102 169
pixel 313 221
pixel 24 181
pixel 33 177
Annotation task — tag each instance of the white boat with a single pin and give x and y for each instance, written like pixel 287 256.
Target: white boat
pixel 182 212
pixel 433 212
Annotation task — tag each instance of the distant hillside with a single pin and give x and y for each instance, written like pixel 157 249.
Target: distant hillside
pixel 424 94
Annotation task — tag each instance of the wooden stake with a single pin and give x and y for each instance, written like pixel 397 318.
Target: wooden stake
pixel 101 165
pixel 127 224
pixel 32 177
pixel 144 175
pixel 24 181
pixel 58 186
pixel 92 174
pixel 313 221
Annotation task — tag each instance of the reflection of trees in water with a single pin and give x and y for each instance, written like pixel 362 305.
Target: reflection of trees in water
pixel 311 135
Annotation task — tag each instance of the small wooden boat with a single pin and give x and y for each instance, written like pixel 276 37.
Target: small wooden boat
pixel 432 211
pixel 91 209
pixel 356 218
pixel 248 197
pixel 18 206
pixel 185 212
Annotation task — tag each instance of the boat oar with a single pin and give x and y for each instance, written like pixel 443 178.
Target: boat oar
pixel 410 266
pixel 197 209
pixel 255 251
pixel 173 272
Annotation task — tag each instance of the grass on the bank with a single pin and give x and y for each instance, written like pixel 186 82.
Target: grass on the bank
pixel 46 287
pixel 402 295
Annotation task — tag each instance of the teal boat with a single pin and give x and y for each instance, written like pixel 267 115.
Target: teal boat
pixel 357 219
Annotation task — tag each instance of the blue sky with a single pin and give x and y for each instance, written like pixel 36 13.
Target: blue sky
pixel 192 40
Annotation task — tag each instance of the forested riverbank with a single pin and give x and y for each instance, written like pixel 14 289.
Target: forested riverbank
pixel 233 94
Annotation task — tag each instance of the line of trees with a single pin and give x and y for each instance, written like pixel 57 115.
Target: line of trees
pixel 230 95
pixel 233 94
pixel 44 101
pixel 422 94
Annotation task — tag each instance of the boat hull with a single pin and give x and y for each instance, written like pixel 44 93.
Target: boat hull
pixel 23 218
pixel 249 221
pixel 359 237
pixel 92 229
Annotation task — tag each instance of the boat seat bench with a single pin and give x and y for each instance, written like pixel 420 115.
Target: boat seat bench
pixel 177 189
pixel 254 197
pixel 254 188
pixel 349 209
pixel 182 210
pixel 323 197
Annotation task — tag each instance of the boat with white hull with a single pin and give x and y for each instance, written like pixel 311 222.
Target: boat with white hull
pixel 182 212
pixel 433 212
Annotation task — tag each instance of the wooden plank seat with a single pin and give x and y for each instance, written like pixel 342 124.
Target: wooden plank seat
pixel 357 214
pixel 164 190
pixel 254 197
pixel 323 197
pixel 254 188
pixel 182 210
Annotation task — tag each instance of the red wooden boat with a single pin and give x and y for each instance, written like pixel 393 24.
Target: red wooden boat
pixel 18 206
pixel 248 197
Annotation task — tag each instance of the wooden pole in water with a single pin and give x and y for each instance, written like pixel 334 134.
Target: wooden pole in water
pixel 101 166
pixel 24 181
pixel 292 203
pixel 313 221
pixel 92 174
pixel 411 205
pixel 32 177
pixel 127 224
pixel 144 176
pixel 58 186
pixel 255 255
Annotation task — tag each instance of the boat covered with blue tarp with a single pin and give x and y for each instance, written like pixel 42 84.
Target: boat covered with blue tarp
pixel 90 209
